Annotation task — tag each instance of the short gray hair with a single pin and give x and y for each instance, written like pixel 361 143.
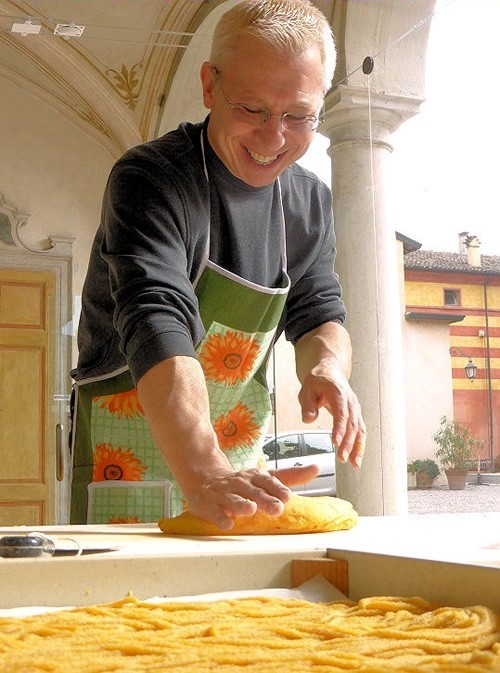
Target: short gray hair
pixel 287 25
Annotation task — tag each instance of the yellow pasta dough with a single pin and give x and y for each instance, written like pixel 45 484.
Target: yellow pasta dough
pixel 301 515
pixel 254 635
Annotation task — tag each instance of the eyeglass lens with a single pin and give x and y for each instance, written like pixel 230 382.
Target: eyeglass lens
pixel 248 115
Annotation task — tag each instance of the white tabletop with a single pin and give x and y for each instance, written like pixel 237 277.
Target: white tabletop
pixel 459 538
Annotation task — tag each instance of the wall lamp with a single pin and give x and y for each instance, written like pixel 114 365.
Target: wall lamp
pixel 470 370
pixel 470 367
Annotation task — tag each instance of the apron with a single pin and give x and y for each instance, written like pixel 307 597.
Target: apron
pixel 119 474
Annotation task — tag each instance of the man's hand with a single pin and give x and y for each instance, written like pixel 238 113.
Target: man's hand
pixel 243 493
pixel 323 359
pixel 222 498
pixel 326 386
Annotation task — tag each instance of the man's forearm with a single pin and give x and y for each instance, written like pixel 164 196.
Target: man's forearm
pixel 175 400
pixel 330 343
pixel 323 361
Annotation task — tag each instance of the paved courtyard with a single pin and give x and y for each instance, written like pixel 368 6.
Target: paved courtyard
pixel 440 500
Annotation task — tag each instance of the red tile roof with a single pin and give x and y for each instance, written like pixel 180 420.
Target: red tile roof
pixel 430 260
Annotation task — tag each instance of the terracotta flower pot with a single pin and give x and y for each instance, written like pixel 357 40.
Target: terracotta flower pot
pixel 424 480
pixel 457 478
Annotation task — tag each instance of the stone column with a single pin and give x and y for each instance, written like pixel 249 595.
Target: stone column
pixel 359 129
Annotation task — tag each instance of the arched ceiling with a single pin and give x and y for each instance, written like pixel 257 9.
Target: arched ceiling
pixel 111 78
pixel 114 79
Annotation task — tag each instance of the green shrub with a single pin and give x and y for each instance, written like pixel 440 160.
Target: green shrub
pixel 456 444
pixel 425 465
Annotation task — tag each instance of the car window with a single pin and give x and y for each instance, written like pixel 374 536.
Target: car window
pixel 317 444
pixel 288 447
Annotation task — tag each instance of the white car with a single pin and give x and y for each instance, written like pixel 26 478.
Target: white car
pixel 301 448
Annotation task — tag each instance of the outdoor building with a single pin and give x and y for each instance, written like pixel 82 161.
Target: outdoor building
pixel 452 338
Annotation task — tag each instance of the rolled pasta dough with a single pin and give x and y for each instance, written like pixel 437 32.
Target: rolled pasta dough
pixel 301 515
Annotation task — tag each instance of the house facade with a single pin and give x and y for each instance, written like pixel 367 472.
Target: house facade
pixel 452 315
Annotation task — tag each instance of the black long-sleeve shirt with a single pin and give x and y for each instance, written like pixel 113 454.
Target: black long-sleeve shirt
pixel 138 303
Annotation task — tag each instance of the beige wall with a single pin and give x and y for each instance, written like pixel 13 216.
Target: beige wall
pixel 427 383
pixel 427 376
pixel 52 170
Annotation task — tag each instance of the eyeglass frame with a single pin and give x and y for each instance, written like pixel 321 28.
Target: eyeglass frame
pixel 263 115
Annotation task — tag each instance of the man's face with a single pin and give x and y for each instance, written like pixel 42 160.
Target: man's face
pixel 261 78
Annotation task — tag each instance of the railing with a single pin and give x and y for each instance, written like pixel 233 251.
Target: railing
pixel 485 465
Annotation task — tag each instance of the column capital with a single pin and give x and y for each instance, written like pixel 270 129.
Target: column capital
pixel 347 115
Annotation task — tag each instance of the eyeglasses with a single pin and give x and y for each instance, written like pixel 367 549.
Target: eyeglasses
pixel 255 117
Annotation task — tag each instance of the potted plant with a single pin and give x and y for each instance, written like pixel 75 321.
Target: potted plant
pixel 456 446
pixel 425 470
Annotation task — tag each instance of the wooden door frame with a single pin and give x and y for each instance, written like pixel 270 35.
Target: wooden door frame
pixel 56 256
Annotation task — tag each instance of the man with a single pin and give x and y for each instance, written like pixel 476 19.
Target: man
pixel 213 241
